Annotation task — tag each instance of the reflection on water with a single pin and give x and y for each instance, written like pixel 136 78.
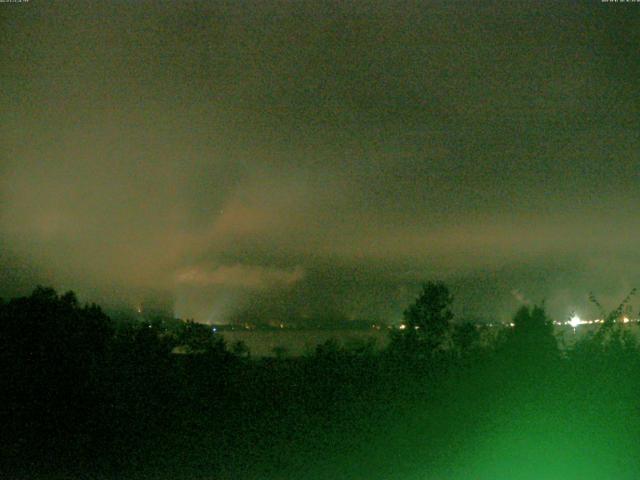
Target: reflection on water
pixel 263 343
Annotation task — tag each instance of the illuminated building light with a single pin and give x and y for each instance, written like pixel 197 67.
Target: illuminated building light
pixel 575 321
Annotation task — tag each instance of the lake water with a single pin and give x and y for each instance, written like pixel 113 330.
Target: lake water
pixel 262 343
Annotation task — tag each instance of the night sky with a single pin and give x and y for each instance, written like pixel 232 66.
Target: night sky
pixel 321 158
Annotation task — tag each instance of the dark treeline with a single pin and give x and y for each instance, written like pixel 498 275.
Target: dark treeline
pixel 85 397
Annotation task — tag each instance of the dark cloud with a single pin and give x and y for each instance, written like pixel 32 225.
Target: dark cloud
pixel 305 157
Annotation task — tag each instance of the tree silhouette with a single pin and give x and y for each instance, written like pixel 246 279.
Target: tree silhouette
pixel 531 340
pixel 466 338
pixel 51 352
pixel 426 321
pixel 611 336
pixel 199 338
pixel 240 349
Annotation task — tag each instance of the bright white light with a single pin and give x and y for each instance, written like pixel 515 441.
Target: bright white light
pixel 575 321
pixel 625 320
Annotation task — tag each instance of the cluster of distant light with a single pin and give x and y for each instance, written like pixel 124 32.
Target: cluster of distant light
pixel 574 322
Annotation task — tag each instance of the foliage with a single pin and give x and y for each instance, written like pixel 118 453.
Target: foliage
pixel 611 338
pixel 240 349
pixel 199 338
pixel 531 341
pixel 85 400
pixel 426 322
pixel 466 338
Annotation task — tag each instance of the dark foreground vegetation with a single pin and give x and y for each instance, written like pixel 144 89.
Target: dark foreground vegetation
pixel 82 397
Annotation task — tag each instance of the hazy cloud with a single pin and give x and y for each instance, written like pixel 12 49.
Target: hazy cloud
pixel 209 154
pixel 246 276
